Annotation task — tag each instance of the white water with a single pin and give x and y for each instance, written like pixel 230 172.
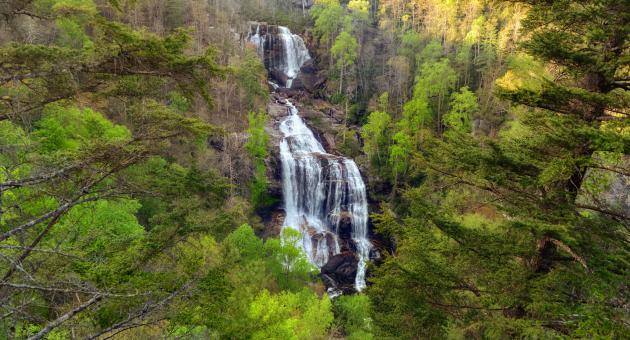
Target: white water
pixel 258 41
pixel 294 51
pixel 318 189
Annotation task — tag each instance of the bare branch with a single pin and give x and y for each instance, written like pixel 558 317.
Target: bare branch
pixel 67 206
pixel 125 324
pixel 41 250
pixel 40 178
pixel 603 211
pixel 59 211
pixel 96 298
pixel 566 248
pixel 27 252
pixel 70 290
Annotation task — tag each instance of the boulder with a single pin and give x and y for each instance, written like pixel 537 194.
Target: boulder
pixel 342 268
pixel 280 77
pixel 274 227
pixel 308 67
pixel 344 230
pixel 306 4
pixel 309 78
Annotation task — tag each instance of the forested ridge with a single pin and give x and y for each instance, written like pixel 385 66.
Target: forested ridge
pixel 144 170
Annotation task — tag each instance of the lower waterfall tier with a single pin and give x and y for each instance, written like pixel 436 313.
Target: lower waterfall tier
pixel 324 199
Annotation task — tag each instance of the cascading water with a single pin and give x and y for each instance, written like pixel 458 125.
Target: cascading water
pixel 295 53
pixel 292 52
pixel 258 40
pixel 320 190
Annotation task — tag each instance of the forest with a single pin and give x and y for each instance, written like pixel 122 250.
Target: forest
pixel 314 169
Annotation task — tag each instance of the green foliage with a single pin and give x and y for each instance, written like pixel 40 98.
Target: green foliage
pixel 287 261
pixel 417 115
pixel 257 147
pixel 359 9
pixel 431 53
pixel 178 102
pixel 436 78
pixel 399 154
pixel 258 140
pixel 291 316
pixel 345 50
pixel 353 312
pixel 375 135
pixel 463 107
pixel 514 234
pixel 328 15
pixel 252 77
pixel 101 227
pixel 67 130
pixel 249 246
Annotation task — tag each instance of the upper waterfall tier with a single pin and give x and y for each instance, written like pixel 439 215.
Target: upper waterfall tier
pixel 283 52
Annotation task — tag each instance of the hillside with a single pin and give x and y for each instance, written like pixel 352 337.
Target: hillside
pixel 297 169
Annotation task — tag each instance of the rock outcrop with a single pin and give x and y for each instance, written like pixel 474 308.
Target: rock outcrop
pixel 342 269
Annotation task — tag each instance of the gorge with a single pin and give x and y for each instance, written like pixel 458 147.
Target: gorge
pixel 314 169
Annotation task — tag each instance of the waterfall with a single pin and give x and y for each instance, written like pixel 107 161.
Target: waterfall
pixel 320 188
pixel 258 40
pixel 286 58
pixel 295 53
pixel 322 192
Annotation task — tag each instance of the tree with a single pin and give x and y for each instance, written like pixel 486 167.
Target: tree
pixel 69 189
pixel 353 312
pixel 251 74
pixel 463 107
pixel 375 135
pixel 257 147
pixel 290 316
pixel 435 80
pixel 287 261
pixel 345 50
pixel 399 155
pixel 499 235
pixel 329 20
pixel 359 9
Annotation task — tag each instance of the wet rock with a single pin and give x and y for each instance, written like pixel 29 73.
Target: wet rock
pixel 274 227
pixel 348 245
pixel 308 67
pixel 217 143
pixel 342 268
pixel 282 52
pixel 345 225
pixel 306 4
pixel 279 76
pixel 309 78
pixel 328 281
